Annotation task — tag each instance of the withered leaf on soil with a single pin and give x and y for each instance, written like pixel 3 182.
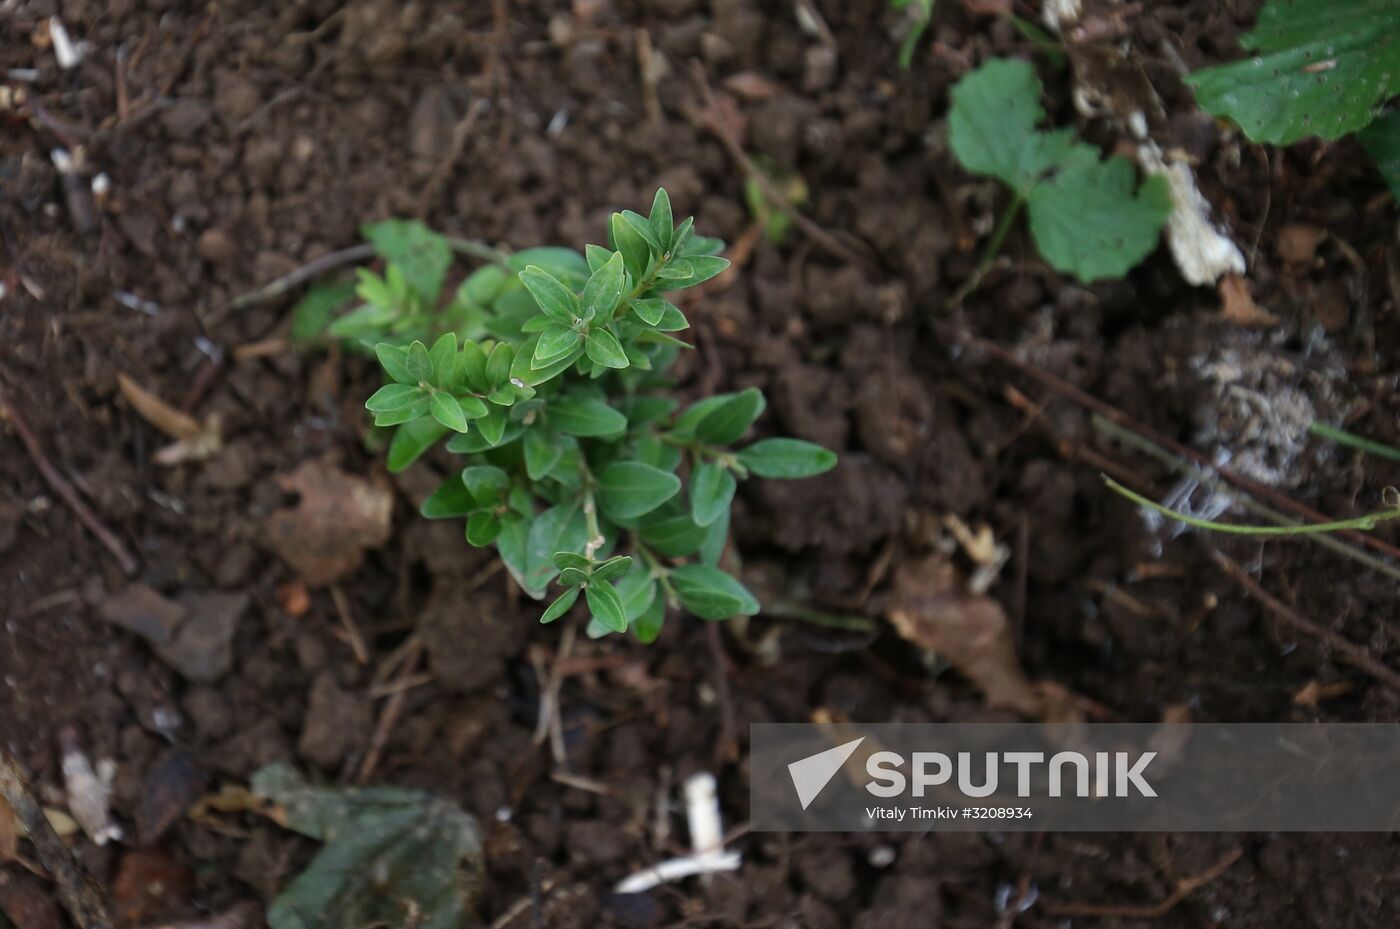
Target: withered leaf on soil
pixel 194 440
pixel 392 857
pixel 339 516
pixel 932 608
pixel 1237 304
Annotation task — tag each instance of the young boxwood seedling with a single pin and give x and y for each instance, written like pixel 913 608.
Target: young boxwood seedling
pixel 1089 216
pixel 553 384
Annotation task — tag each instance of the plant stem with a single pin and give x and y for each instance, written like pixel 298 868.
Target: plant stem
pixel 590 510
pixel 1342 437
pixel 1360 522
pixel 989 254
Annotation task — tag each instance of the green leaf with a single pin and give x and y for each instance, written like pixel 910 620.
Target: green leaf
pixel 448 411
pixel 560 606
pixel 642 226
pixel 315 311
pixel 711 491
pixel 573 560
pixel 451 500
pixel 554 343
pixel 498 364
pixel 1089 217
pixel 612 569
pixel 474 365
pixel 421 254
pixel 493 424
pixel 628 489
pixel 388 852
pixel 606 606
pixel 1321 67
pixel 394 360
pixel 443 356
pixel 1381 140
pixel 636 254
pixel 558 529
pixel 411 440
pixel 542 452
pixel 585 416
pixel 647 625
pixel 650 310
pixel 486 483
pixel 407 414
pixel 680 239
pixel 483 528
pixel 672 319
pixel 555 299
pixel 393 397
pixel 572 577
pixel 710 593
pixel 728 421
pixel 662 223
pixel 597 256
pixel 418 365
pixel 787 458
pixel 512 544
pixel 604 349
pixel 564 263
pixel 1089 221
pixel 684 426
pixel 687 272
pixel 605 289
pixel 992 125
pixel 674 536
pixel 472 408
pixel 483 285
pixel 711 550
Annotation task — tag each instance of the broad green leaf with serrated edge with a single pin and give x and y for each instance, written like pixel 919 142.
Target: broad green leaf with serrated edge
pixel 1320 67
pixel 710 593
pixel 585 416
pixel 1089 217
pixel 787 458
pixel 421 254
pixel 451 500
pixel 602 346
pixel 393 397
pixel 728 421
pixel 992 125
pixel 560 606
pixel 606 606
pixel 711 491
pixel 411 440
pixel 556 300
pixel 628 489
pixel 1090 221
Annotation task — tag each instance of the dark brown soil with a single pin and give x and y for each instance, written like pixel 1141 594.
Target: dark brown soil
pixel 244 139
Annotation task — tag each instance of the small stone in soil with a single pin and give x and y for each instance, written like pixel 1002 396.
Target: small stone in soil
pixel 170 788
pixel 336 723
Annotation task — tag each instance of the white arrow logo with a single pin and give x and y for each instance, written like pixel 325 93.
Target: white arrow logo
pixel 811 775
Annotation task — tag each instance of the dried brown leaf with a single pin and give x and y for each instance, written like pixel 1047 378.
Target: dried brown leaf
pixel 1237 304
pixel 751 86
pixel 1297 243
pixel 194 441
pixel 933 609
pixel 339 517
pixel 9 833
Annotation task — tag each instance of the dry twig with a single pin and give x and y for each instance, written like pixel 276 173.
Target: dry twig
pixel 1184 888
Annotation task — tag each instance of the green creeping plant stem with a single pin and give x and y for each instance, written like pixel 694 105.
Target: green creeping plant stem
pixel 1366 522
pixel 549 376
pixel 1342 437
